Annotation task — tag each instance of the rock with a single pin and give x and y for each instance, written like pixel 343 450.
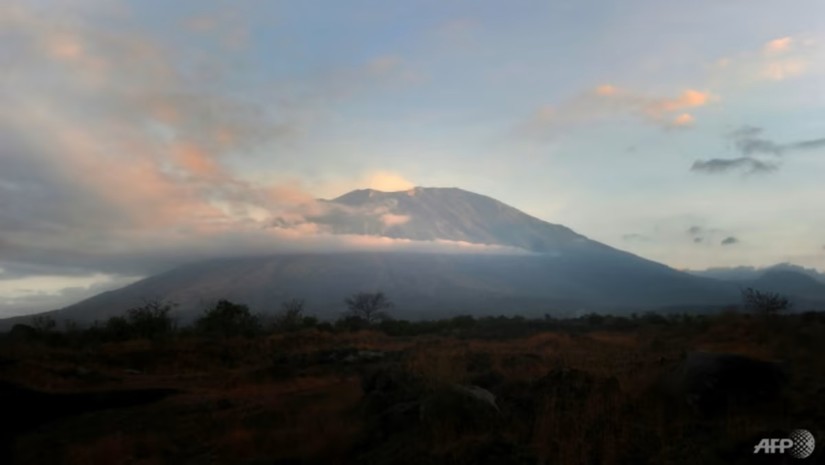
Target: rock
pixel 458 410
pixel 711 383
pixel 391 402
pixel 481 394
pixel 385 387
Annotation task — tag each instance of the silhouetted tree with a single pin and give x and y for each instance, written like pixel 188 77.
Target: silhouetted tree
pixel 766 303
pixel 291 315
pixel 151 320
pixel 117 328
pixel 371 307
pixel 228 319
pixel 43 323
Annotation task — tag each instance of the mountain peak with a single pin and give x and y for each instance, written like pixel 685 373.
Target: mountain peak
pixel 367 193
pixel 446 213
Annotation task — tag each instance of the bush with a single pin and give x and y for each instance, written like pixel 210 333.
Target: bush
pixel 227 319
pixel 351 323
pixel 152 320
pixel 766 303
pixel 117 328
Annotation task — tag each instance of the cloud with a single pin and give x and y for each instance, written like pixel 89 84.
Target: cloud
pixel 780 45
pixel 750 143
pixel 730 240
pixel 229 27
pixel 606 90
pixel 807 144
pixel 780 70
pixel 723 165
pixel 118 153
pixel 57 293
pixel 88 101
pixel 778 59
pixel 609 101
pixel 683 120
pixel 388 181
pixel 703 235
pixel 10 271
pixel 390 219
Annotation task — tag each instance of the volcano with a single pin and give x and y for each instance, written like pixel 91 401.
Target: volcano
pixel 540 267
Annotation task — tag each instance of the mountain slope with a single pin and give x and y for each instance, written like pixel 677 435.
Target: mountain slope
pixel 743 273
pixel 421 285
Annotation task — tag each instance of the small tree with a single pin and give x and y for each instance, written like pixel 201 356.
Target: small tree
pixel 766 303
pixel 151 320
pixel 43 323
pixel 228 319
pixel 291 315
pixel 371 307
pixel 117 328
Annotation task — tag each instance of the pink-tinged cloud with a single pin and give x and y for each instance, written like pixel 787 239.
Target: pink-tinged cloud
pixel 388 181
pixel 690 98
pixel 780 70
pixel 195 160
pixel 778 60
pixel 776 46
pixel 116 119
pixel 609 101
pixel 684 119
pixel 390 219
pixel 606 90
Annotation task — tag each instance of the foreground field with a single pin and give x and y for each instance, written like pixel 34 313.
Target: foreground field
pixel 511 391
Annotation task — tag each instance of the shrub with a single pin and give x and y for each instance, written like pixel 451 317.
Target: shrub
pixel 117 328
pixel 766 303
pixel 151 320
pixel 291 317
pixel 228 319
pixel 43 323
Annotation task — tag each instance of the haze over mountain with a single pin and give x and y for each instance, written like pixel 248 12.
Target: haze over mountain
pixel 805 285
pixel 743 273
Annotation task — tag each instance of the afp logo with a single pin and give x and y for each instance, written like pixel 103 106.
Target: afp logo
pixel 799 445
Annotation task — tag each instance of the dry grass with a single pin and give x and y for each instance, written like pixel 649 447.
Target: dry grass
pixel 232 409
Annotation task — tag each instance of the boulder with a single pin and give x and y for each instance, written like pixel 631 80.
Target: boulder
pixel 481 394
pixel 711 383
pixel 457 410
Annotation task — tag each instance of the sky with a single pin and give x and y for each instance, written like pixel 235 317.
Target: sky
pixel 138 135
